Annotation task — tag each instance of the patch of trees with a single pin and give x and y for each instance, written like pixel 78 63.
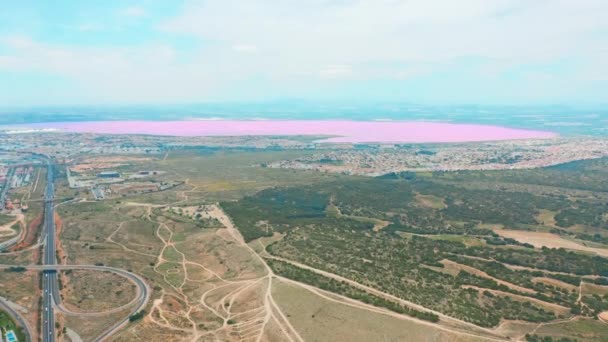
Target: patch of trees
pixel 587 213
pixel 401 267
pixel 137 316
pixel 280 208
pixel 537 338
pixel 596 303
pixel 305 276
pixel 588 175
pixel 411 268
pixel 551 259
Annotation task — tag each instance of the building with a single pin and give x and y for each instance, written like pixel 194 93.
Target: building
pixel 108 174
pixel 98 193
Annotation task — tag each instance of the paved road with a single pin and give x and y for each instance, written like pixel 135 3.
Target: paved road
pixel 143 294
pixel 50 286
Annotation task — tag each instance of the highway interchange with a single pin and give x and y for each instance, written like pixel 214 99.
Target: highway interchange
pixel 51 298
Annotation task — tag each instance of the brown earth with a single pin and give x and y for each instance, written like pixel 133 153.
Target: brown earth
pixel 29 238
pixel 472 270
pixel 61 254
pixel 541 239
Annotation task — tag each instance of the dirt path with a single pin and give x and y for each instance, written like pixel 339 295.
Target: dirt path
pixel 6 230
pixel 237 236
pixel 330 296
pixel 269 302
pixel 251 323
pixel 540 325
pixel 378 224
pixel 449 263
pixel 385 295
pixel 559 309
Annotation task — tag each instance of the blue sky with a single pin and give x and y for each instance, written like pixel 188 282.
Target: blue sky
pixel 426 51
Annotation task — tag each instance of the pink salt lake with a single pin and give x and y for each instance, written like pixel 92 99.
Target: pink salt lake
pixel 342 131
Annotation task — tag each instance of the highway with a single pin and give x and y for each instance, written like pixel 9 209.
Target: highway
pixel 50 286
pixel 51 297
pixel 142 299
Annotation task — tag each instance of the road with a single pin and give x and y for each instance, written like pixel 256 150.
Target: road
pixel 51 297
pixel 50 288
pixel 50 285
pixel 144 293
pixel 5 306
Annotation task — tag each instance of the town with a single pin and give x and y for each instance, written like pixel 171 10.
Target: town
pixel 376 160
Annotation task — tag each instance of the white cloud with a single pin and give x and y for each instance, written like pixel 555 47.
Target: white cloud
pixel 17 42
pixel 89 27
pixel 417 30
pixel 292 44
pixel 336 71
pixel 134 11
pixel 245 48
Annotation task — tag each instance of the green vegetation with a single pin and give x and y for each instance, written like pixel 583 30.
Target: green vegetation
pixel 536 338
pixel 441 249
pixel 406 259
pixel 305 276
pixel 137 316
pixel 283 207
pixel 399 266
pixel 17 269
pixel 4 219
pixel 7 323
pixel 222 174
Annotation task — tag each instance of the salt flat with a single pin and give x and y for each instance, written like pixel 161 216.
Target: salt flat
pixel 339 131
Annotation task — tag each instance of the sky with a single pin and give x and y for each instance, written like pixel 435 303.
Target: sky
pixel 423 51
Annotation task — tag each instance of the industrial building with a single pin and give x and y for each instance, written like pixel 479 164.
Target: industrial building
pixel 108 174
